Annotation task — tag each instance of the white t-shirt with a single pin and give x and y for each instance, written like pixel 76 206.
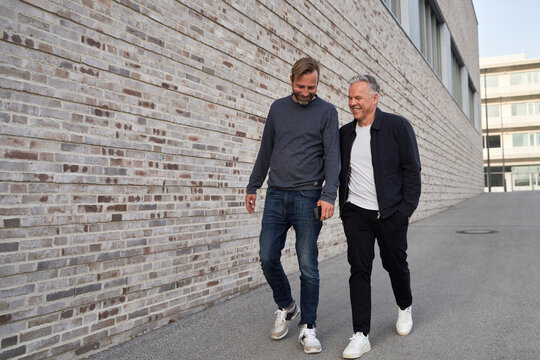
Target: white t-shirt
pixel 362 191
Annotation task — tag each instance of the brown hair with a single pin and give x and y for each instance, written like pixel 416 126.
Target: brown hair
pixel 303 66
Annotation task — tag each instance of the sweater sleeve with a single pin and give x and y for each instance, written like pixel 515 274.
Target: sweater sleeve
pixel 262 164
pixel 332 163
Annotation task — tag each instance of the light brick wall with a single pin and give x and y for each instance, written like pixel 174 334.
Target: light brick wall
pixel 128 131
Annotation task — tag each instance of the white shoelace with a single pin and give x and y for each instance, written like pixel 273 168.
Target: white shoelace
pixel 404 313
pixel 309 333
pixel 281 316
pixel 357 337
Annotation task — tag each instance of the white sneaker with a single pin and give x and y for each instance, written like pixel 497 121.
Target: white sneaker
pixel 404 321
pixel 283 318
pixel 308 338
pixel 358 346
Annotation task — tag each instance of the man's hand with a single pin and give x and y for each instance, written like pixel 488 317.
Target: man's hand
pixel 327 209
pixel 250 202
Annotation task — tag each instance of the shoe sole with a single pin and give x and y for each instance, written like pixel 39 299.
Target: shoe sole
pixel 280 337
pixel 311 351
pixel 355 356
pixel 403 333
pixel 287 331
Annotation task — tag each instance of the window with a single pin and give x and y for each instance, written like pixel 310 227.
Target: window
pixel 521 179
pixel 497 177
pixel 536 77
pixel 526 139
pixel 472 113
pixel 517 79
pixel 519 109
pixel 492 110
pixel 430 31
pixel 524 109
pixel 456 79
pixel 525 175
pixel 494 141
pixel 492 81
pixel 519 140
pixel 496 180
pixel 522 78
pixel 395 7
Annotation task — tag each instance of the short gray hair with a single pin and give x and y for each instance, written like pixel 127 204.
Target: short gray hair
pixel 367 78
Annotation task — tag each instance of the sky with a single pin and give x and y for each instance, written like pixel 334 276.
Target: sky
pixel 508 27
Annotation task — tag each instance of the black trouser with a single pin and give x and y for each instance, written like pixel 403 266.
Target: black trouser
pixel 361 228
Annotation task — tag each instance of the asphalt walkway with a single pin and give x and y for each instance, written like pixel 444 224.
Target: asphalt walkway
pixel 476 296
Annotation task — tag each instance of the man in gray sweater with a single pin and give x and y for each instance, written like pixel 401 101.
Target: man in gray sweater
pixel 300 146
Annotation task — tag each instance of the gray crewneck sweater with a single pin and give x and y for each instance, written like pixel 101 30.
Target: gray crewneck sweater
pixel 300 145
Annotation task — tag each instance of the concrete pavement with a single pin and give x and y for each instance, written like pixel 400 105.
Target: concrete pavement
pixel 476 296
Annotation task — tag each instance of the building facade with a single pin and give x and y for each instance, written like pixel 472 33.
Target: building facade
pixel 129 128
pixel 511 122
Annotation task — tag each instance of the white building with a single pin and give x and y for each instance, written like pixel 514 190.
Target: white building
pixel 511 85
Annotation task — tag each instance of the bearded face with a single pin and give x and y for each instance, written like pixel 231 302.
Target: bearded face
pixel 304 87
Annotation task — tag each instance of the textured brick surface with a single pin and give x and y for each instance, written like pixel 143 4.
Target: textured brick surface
pixel 128 131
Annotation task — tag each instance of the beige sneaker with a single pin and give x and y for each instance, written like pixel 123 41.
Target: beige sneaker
pixel 283 318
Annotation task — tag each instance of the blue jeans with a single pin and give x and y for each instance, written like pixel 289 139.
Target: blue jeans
pixel 283 209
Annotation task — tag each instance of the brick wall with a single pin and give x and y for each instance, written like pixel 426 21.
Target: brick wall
pixel 128 131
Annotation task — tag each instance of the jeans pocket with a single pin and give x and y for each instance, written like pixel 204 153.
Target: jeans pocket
pixel 305 202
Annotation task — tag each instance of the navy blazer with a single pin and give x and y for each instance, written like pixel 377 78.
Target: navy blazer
pixel 396 163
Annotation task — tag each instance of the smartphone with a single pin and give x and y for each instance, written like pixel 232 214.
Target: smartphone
pixel 317 212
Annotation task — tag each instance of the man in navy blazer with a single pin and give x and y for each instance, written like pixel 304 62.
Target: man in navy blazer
pixel 378 192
